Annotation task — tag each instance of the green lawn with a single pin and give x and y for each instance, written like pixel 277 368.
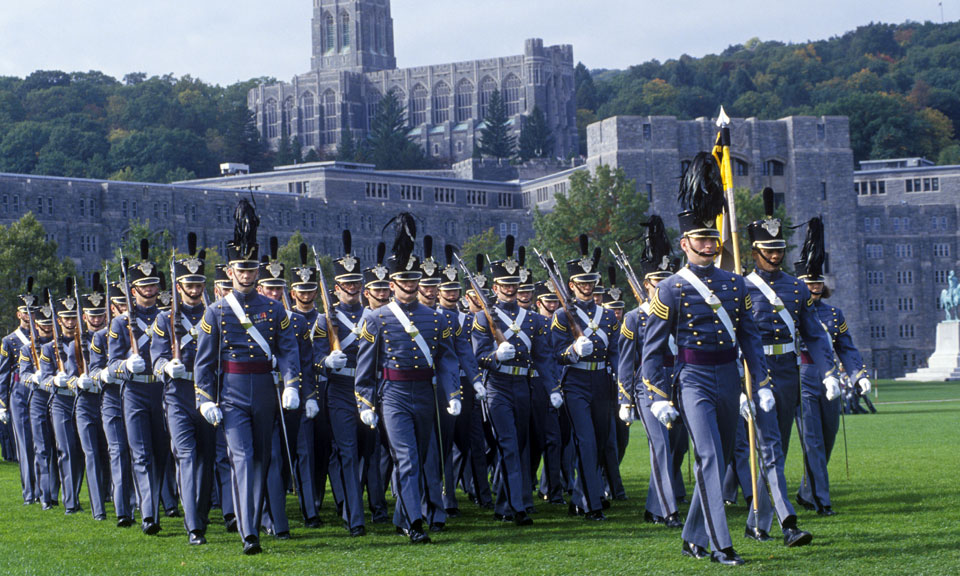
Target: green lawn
pixel 898 513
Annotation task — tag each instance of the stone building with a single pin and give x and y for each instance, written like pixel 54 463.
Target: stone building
pixel 353 66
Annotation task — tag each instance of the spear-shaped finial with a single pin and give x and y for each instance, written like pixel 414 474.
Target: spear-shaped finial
pixel 722 119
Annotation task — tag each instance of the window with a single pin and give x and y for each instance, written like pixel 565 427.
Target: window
pixel 878 331
pixel 873 187
pixel 941 250
pixel 906 331
pixel 905 304
pixel 503 230
pixel 123 209
pixel 309 118
pixel 444 195
pixel 273 121
pixel 16 203
pixel 866 224
pixel 823 190
pixel 163 208
pixel 511 95
pixel 882 187
pixel 288 116
pixel 377 191
pixel 940 276
pixel 476 197
pixel 876 223
pixel 935 184
pixel 821 131
pixel 133 208
pixel 926 184
pixel 330 127
pixel 741 168
pixel 345 32
pixel 463 101
pixel 876 305
pixel 513 228
pixel 904 276
pixel 459 147
pixel 874 250
pixel 329 33
pixel 895 224
pixel 904 250
pixel 487 86
pixel 40 206
pixel 373 107
pixel 156 210
pixel 773 168
pixel 874 278
pixel 905 223
pixel 504 200
pixel 418 105
pixel 908 184
pixel 436 149
pixel 5 200
pixel 441 103
pixel 411 193
pixel 83 206
pixel 647 132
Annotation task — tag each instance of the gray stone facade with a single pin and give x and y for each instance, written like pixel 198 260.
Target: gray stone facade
pixel 353 66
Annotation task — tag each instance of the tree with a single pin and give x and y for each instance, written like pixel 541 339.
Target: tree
pixel 536 140
pixel 289 254
pixel 347 151
pixel 496 140
pixel 486 242
pixel 387 145
pixel 586 90
pixel 25 251
pixel 161 242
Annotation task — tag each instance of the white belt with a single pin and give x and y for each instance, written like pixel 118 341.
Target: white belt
pixel 145 378
pixel 590 365
pixel 534 374
pixel 778 349
pixel 513 370
pixel 186 376
pixel 64 392
pixel 345 372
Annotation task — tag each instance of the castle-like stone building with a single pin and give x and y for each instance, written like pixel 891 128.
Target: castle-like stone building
pixel 353 66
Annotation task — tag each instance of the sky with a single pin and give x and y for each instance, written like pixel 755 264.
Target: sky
pixel 226 41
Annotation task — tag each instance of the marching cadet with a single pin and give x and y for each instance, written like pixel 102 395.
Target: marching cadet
pixel 619 432
pixel 128 362
pixel 507 350
pixel 15 395
pixel 656 265
pixel 222 285
pixel 62 386
pixel 411 346
pixel 821 416
pixel 551 431
pixel 586 382
pixel 173 348
pixel 242 336
pixel 41 427
pixel 339 365
pixel 708 311
pixel 111 413
pixel 783 312
pixel 88 414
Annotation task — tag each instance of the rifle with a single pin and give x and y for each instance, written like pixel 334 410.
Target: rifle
pixel 125 286
pixel 484 303
pixel 174 307
pixel 78 334
pixel 328 313
pixel 550 265
pixel 33 327
pixel 106 291
pixel 635 285
pixel 56 335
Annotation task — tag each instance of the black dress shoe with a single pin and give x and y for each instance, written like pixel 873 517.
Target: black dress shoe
pixel 673 521
pixel 502 517
pixel 124 522
pixel 358 531
pixel 416 533
pixel 542 496
pixel 558 500
pixel 522 519
pixel 47 506
pixel 727 557
pixel 574 510
pixel 595 516
pixel 172 513
pixel 793 537
pixel 826 511
pixel 251 546
pixel 381 520
pixel 231 523
pixel 693 551
pixel 437 526
pixel 621 498
pixel 806 505
pixel 197 538
pixel 285 535
pixel 72 511
pixel 651 518
pixel 604 504
pixel 757 534
pixel 453 512
pixel 314 522
pixel 487 505
pixel 100 517
pixel 150 527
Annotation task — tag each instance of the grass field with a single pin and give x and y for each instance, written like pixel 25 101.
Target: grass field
pixel 898 513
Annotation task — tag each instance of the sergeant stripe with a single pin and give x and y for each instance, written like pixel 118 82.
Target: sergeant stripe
pixel 747 302
pixel 625 332
pixel 658 308
pixel 843 327
pixel 477 326
pixel 206 327
pixel 284 324
pixel 157 330
pixel 366 335
pixel 556 324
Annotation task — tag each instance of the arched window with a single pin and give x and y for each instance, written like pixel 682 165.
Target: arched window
pixel 288 116
pixel 379 43
pixel 773 168
pixel 330 117
pixel 308 115
pixel 344 31
pixel 463 100
pixel 740 168
pixel 441 103
pixel 373 106
pixel 418 105
pixel 511 94
pixel 273 122
pixel 487 86
pixel 329 33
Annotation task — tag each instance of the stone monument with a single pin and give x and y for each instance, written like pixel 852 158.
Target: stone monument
pixel 944 364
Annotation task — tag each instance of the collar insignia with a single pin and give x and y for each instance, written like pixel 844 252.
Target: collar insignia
pixel 146 268
pixel 275 268
pixel 96 298
pixel 193 265
pixel 772 226
pixel 304 274
pixel 348 262
pixel 510 265
pixel 586 263
pixel 429 266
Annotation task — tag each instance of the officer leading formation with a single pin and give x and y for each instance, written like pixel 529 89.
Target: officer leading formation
pixel 425 375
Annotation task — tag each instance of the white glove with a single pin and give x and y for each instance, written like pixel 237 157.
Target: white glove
pixel 453 408
pixel 369 417
pixel 664 412
pixel 211 412
pixel 106 377
pixel 60 380
pixel 864 384
pixel 85 382
pixel 745 407
pixel 832 386
pixel 583 346
pixel 767 401
pixel 626 414
pixel 34 379
pixel 4 416
pixel 175 369
pixel 311 409
pixel 480 390
pixel 506 351
pixel 556 400
pixel 135 364
pixel 291 399
pixel 336 360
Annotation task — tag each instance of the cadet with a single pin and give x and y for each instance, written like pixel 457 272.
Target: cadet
pixel 411 346
pixel 586 382
pixel 783 312
pixel 619 433
pixel 222 285
pixel 556 449
pixel 193 439
pixel 111 412
pixel 241 337
pixel 15 395
pixel 340 368
pixel 708 311
pixel 41 428
pixel 821 415
pixel 142 394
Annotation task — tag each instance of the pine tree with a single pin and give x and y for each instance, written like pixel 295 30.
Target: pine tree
pixel 347 151
pixel 536 140
pixel 495 137
pixel 387 145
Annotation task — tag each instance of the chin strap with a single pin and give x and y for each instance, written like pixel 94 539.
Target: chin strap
pixel 450 301
pixel 408 292
pixel 767 260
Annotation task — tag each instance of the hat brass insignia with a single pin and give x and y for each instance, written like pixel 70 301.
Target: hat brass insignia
pixel 411 262
pixel 587 264
pixel 165 298
pixel 95 299
pixel 275 268
pixel 481 280
pixel 524 275
pixel 69 303
pixel 29 299
pixel 551 286
pixel 451 273
pixel 664 263
pixel 146 268
pixel 380 272
pixel 429 266
pixel 615 293
pixel 348 262
pixel 510 265
pixel 193 265
pixel 304 274
pixel 772 226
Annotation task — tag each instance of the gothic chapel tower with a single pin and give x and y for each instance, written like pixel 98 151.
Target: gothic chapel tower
pixel 352 35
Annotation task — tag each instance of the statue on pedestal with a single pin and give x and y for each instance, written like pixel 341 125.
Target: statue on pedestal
pixel 950 298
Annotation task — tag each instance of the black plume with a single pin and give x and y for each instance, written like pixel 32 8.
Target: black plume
pixel 202 255
pixel 596 258
pixel 144 249
pixel 163 281
pixel 522 255
pixel 46 296
pixel 245 226
pixel 274 247
pixel 427 246
pixel 405 235
pixel 509 244
pixel 192 243
pixel 68 286
pixel 768 202
pixel 479 263
pixel 814 252
pixel 303 254
pixel 701 188
pixel 264 259
pixel 584 245
pixel 656 240
pixel 448 254
pixel 381 252
pixel 97 287
pixel 612 274
pixel 347 242
pixel 29 284
pixel 124 262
